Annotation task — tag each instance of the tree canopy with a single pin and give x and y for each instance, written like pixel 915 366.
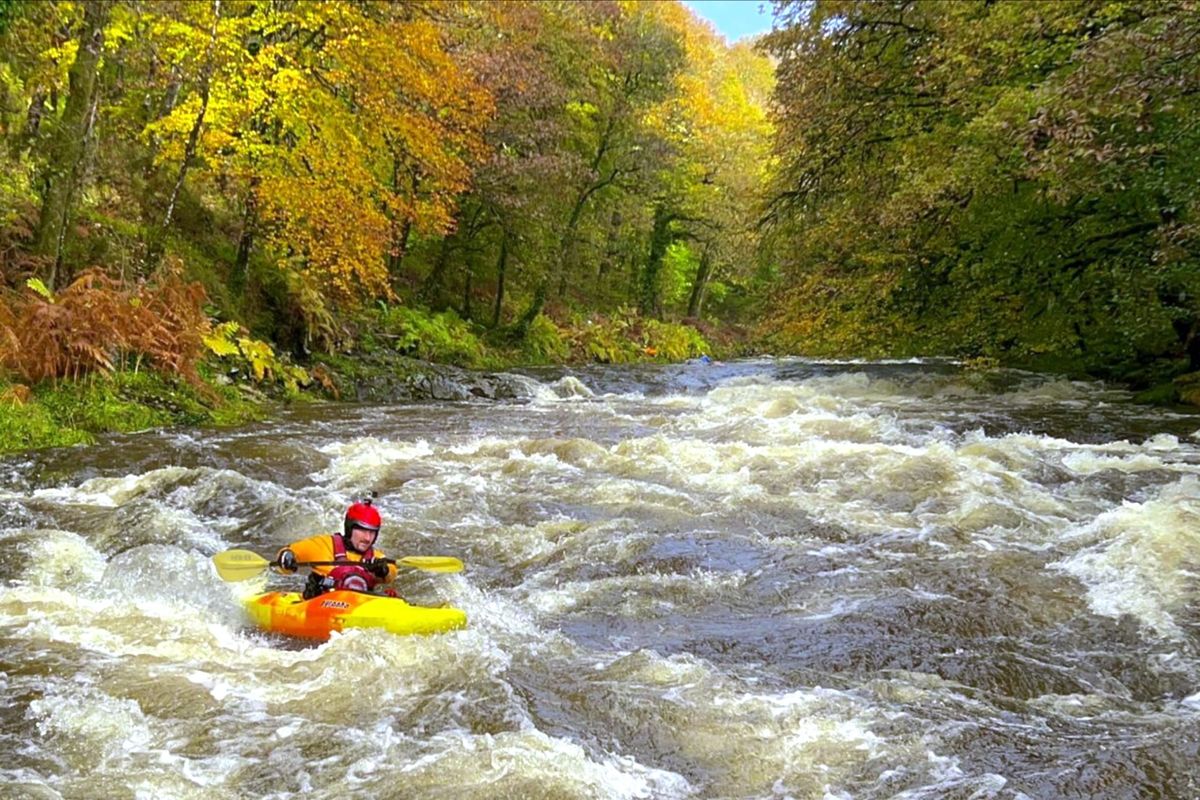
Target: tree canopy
pixel 1013 180
pixel 309 159
pixel 1008 180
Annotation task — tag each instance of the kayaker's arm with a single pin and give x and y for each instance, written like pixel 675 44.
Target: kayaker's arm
pixel 240 565
pixel 315 549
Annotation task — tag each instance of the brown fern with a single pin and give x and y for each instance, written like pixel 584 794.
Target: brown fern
pixel 97 324
pixel 17 261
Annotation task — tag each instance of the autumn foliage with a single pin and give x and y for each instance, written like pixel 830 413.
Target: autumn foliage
pixel 344 125
pixel 313 161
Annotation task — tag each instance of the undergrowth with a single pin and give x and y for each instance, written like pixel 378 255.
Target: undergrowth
pixel 443 337
pixel 100 357
pixel 625 338
pixel 98 324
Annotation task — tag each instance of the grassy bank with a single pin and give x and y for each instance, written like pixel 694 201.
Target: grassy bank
pixel 76 412
pixel 242 378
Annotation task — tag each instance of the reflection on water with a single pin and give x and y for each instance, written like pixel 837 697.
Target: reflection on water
pixel 756 579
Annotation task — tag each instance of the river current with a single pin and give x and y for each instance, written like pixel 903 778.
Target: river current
pixel 760 579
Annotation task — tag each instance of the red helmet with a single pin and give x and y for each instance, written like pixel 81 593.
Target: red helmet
pixel 361 515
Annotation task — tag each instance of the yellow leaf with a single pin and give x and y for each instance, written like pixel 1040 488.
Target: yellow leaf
pixel 220 345
pixel 260 356
pixel 39 287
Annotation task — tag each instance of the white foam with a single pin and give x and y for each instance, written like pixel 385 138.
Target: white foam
pixel 571 387
pixel 59 559
pixel 1140 560
pixel 513 762
pixel 89 726
pixel 113 492
pixel 364 460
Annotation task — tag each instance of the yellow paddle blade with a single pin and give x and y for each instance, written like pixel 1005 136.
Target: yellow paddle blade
pixel 239 565
pixel 431 563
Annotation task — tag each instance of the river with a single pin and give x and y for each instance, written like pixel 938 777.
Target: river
pixel 760 579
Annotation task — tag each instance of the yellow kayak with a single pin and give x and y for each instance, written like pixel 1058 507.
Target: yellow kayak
pixel 290 613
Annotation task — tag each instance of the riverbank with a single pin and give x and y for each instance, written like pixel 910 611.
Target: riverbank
pixel 383 367
pixel 73 412
pixel 244 379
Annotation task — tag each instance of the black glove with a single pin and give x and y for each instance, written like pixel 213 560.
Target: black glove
pixel 378 567
pixel 287 561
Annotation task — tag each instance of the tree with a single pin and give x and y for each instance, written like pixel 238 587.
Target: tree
pixel 715 130
pixel 631 68
pixel 341 125
pixel 193 19
pixel 67 145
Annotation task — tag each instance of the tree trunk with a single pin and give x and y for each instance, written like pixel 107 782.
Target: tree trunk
pixel 67 151
pixel 155 251
pixel 610 248
pixel 403 231
pixel 535 308
pixel 432 291
pixel 1192 346
pixel 501 269
pixel 562 283
pixel 466 305
pixel 399 248
pixel 567 243
pixel 237 278
pixel 696 301
pixel 566 247
pixel 33 120
pixel 660 239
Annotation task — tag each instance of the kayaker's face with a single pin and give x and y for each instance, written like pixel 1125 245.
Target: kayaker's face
pixel 361 538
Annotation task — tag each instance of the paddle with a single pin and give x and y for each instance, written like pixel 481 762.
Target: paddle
pixel 240 565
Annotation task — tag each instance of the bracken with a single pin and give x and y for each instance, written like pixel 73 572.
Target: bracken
pixel 97 324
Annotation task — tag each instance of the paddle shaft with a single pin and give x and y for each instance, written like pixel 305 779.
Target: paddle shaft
pixel 236 565
pixel 347 563
pixel 429 563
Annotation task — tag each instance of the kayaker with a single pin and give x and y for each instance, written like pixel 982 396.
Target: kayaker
pixel 360 567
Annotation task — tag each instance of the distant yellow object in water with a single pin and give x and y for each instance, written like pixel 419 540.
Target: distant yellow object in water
pixel 289 613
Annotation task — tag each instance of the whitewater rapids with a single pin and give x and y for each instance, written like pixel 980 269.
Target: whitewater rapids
pixel 762 579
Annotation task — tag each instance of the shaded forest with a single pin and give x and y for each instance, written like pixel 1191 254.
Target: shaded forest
pixel 1014 182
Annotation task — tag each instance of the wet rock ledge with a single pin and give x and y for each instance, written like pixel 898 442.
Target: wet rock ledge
pixel 389 378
